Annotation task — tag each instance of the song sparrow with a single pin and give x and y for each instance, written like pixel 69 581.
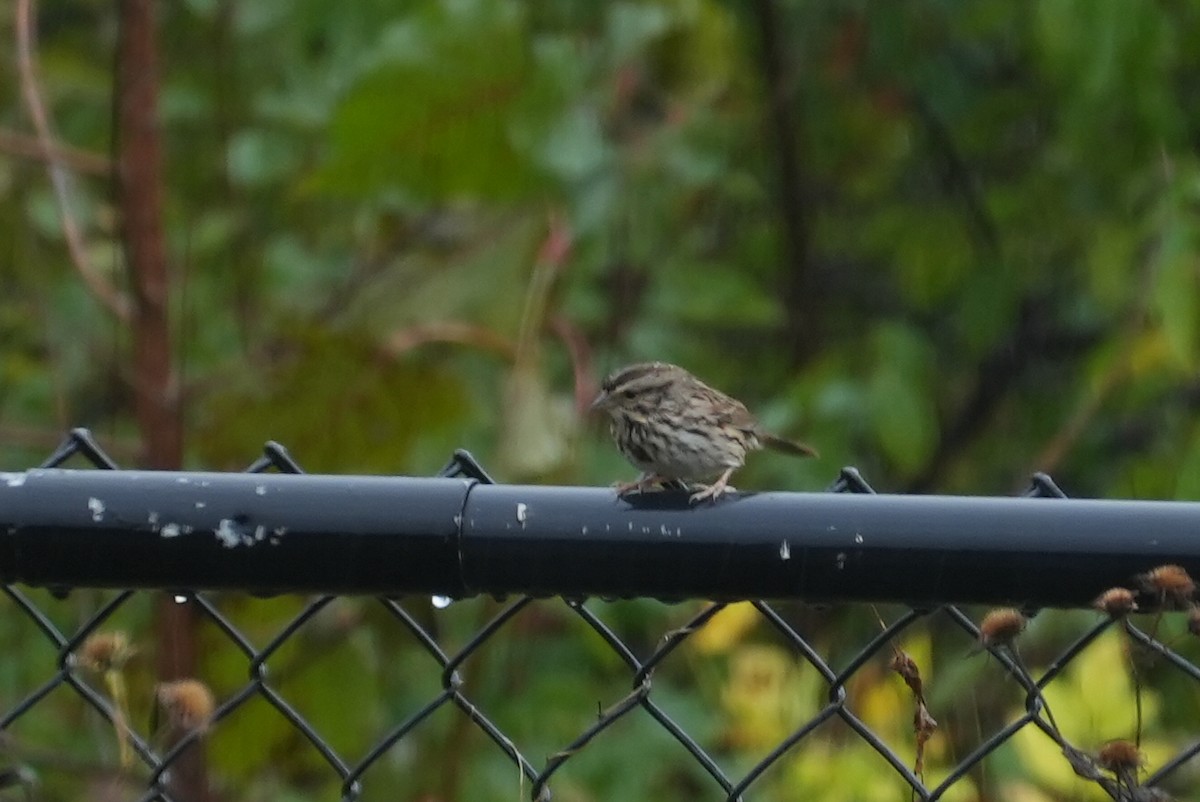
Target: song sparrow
pixel 673 426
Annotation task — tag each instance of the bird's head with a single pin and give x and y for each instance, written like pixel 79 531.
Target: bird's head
pixel 636 386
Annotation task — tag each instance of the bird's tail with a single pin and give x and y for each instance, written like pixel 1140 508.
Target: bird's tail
pixel 786 446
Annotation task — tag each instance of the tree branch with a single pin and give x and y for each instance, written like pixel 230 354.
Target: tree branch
pixel 802 302
pixel 30 147
pixel 957 176
pixel 1034 339
pixel 157 405
pixel 108 295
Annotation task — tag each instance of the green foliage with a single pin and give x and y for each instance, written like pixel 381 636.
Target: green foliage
pixel 429 120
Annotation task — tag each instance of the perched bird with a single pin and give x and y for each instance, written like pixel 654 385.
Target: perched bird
pixel 673 426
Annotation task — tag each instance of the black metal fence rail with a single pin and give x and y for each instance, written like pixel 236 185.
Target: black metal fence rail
pixel 277 530
pixel 459 537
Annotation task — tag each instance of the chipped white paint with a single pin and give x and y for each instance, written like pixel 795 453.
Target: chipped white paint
pixel 260 532
pixel 97 508
pixel 227 534
pixel 522 513
pixel 583 531
pixel 169 530
pixel 858 538
pixel 14 479
pixel 260 490
pixel 785 551
pixel 182 480
pixel 457 519
pixel 201 505
pixel 440 602
pixel 152 518
pixel 841 560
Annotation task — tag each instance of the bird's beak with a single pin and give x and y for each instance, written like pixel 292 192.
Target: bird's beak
pixel 599 401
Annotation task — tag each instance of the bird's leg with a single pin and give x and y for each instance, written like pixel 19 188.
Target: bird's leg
pixel 640 484
pixel 714 490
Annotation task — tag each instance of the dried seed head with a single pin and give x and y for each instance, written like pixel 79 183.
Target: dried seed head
pixel 1171 583
pixel 1194 620
pixel 1001 626
pixel 903 664
pixel 105 651
pixel 188 703
pixel 1119 756
pixel 923 723
pixel 1116 602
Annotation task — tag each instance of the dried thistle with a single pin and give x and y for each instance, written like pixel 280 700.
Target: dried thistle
pixel 1194 620
pixel 1116 602
pixel 1170 583
pixel 1001 626
pixel 1119 756
pixel 105 651
pixel 1123 759
pixel 187 703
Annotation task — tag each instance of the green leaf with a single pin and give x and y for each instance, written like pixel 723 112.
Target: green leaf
pixel 930 248
pixel 435 122
pixel 903 413
pixel 1187 478
pixel 256 156
pixel 716 296
pixel 632 26
pixel 1177 295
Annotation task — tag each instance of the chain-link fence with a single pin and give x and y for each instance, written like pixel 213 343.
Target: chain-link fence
pixel 188 534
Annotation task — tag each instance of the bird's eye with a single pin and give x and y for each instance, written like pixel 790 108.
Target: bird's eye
pixel 629 394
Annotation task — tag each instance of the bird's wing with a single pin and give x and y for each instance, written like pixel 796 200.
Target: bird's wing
pixel 734 413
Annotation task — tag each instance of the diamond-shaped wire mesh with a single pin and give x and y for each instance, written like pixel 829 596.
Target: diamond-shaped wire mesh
pixel 793 701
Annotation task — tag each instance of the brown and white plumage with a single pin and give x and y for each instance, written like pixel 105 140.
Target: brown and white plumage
pixel 672 426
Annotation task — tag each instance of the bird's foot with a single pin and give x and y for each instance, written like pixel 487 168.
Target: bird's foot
pixel 710 492
pixel 714 491
pixel 639 485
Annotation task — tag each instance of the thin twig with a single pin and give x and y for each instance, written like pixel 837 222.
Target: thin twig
pixel 101 288
pixel 580 353
pixel 78 159
pixel 458 332
pixel 1122 368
